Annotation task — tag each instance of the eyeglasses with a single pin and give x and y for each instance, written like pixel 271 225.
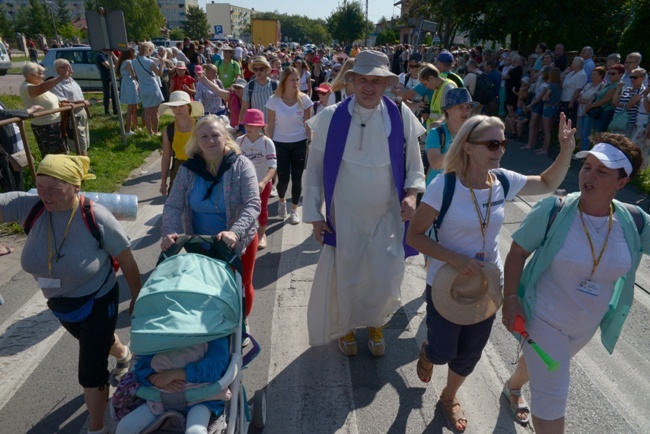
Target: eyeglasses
pixel 413 65
pixel 493 145
pixel 613 73
pixel 635 76
pixel 336 70
pixel 259 69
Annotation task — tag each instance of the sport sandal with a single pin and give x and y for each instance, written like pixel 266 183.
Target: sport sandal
pixel 424 374
pixel 453 412
pixel 514 407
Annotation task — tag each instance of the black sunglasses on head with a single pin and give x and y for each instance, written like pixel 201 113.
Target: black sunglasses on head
pixel 492 145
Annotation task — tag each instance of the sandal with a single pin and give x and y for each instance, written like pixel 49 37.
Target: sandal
pixel 514 408
pixel 424 374
pixel 121 367
pixel 4 250
pixel 453 412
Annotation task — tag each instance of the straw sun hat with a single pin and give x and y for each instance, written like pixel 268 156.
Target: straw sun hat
pixel 373 63
pixel 179 98
pixel 467 300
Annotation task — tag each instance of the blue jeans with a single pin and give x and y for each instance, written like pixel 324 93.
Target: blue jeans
pixel 585 124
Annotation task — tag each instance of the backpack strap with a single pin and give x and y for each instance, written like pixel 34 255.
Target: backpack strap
pixel 447 196
pixel 274 85
pixel 443 137
pixel 88 214
pixel 251 86
pixel 337 96
pixel 34 214
pixel 637 215
pixel 505 183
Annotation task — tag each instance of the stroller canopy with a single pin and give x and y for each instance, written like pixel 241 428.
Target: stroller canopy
pixel 188 299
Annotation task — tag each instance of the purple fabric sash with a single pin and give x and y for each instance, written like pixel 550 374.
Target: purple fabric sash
pixel 335 145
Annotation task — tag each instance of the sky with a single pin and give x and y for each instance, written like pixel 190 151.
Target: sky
pixel 313 8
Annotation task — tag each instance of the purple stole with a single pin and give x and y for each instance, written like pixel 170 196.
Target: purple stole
pixel 337 135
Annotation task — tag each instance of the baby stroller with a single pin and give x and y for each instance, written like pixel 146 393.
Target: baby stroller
pixel 191 299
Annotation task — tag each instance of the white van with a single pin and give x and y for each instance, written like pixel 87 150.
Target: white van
pixel 5 61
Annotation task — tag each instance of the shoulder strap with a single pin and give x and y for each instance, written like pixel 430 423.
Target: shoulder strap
pixel 443 137
pixel 34 213
pixel 170 131
pixel 274 85
pixel 505 183
pixel 337 96
pixel 559 203
pixel 251 86
pixel 88 214
pixel 639 221
pixel 447 196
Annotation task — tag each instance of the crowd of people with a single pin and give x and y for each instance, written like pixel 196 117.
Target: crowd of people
pixel 361 134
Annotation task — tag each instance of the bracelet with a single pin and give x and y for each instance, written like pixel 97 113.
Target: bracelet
pixel 509 297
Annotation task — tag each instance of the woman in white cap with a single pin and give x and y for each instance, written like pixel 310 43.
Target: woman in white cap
pixel 470 196
pixel 177 134
pixel 587 248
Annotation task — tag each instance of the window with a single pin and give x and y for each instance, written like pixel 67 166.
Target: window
pixel 73 57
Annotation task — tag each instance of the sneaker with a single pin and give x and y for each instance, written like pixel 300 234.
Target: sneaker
pixel 274 191
pixel 376 343
pixel 246 342
pixel 295 218
pixel 121 368
pixel 348 345
pixel 261 244
pixel 130 133
pixel 282 210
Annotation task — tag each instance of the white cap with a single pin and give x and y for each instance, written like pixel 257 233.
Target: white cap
pixel 610 156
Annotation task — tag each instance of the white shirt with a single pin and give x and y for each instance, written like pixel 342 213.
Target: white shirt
pixel 261 153
pixel 289 121
pixel 460 230
pixel 238 52
pixel 572 82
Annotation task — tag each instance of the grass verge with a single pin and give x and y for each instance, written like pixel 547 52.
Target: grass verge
pixel 109 159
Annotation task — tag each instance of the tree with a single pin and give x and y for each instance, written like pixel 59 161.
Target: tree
pixel 634 37
pixel 297 28
pixel 6 29
pixel 34 19
pixel 62 13
pixel 347 22
pixel 176 34
pixel 143 18
pixel 196 24
pixel 386 37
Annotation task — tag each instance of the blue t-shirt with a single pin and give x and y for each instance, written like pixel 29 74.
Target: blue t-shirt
pixel 554 97
pixel 208 216
pixel 421 89
pixel 433 142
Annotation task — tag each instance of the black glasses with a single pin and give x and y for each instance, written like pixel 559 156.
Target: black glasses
pixel 493 145
pixel 259 69
pixel 613 73
pixel 413 65
pixel 635 76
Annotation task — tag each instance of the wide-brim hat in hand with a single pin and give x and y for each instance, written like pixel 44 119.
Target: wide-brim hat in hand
pixel 177 99
pixel 373 63
pixel 259 60
pixel 254 118
pixel 467 300
pixel 458 96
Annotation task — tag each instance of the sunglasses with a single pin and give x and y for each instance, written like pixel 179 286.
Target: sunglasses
pixel 259 69
pixel 613 73
pixel 413 65
pixel 635 76
pixel 336 70
pixel 493 145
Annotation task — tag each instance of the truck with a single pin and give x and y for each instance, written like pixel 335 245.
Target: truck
pixel 265 32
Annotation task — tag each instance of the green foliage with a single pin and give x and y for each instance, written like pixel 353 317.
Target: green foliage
pixel 196 24
pixel 6 28
pixel 176 34
pixel 62 13
pixel 347 22
pixel 386 37
pixel 143 18
pixel 298 28
pixel 635 35
pixel 34 19
pixel 68 31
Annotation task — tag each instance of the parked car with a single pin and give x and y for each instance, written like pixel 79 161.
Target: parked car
pixel 82 59
pixel 5 61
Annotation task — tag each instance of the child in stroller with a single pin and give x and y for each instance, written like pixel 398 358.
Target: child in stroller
pixel 176 371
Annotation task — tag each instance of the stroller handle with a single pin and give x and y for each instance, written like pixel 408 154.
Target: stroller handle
pixel 217 249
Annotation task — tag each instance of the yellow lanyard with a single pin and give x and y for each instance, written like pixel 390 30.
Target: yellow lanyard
pixel 484 222
pixel 595 260
pixel 50 238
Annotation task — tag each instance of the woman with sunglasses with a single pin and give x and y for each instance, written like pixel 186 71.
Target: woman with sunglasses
pixel 469 237
pixel 629 98
pixel 604 99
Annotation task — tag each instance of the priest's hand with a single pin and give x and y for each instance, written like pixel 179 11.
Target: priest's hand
pixel 320 228
pixel 408 207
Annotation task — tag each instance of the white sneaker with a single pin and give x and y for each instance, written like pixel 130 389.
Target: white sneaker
pixel 282 210
pixel 295 218
pixel 274 191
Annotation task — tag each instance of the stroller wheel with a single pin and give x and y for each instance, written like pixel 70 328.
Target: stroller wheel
pixel 259 409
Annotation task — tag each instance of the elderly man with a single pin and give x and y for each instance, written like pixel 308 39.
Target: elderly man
pixel 68 90
pixel 632 62
pixel 587 54
pixel 574 79
pixel 364 164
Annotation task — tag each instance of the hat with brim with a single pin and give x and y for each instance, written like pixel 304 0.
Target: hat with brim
pixel 240 82
pixel 458 96
pixel 372 63
pixel 227 48
pixel 180 65
pixel 180 98
pixel 259 60
pixel 610 156
pixel 467 300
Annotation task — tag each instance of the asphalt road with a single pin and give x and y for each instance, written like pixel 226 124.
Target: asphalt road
pixel 317 390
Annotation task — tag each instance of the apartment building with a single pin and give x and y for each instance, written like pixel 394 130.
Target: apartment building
pixel 232 19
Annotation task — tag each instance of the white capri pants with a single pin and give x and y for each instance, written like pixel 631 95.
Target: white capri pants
pixel 135 422
pixel 549 390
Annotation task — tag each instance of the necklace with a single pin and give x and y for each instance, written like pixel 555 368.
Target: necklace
pixel 52 251
pixel 598 228
pixel 289 101
pixel 596 260
pixel 484 221
pixel 363 122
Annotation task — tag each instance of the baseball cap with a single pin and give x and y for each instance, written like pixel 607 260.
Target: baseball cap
pixel 446 57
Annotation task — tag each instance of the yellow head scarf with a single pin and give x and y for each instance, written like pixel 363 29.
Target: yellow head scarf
pixel 72 169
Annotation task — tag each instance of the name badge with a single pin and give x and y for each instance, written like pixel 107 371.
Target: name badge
pixel 47 283
pixel 484 256
pixel 589 287
pixel 225 76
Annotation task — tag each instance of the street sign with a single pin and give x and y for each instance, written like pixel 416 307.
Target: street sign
pixel 114 38
pixel 218 30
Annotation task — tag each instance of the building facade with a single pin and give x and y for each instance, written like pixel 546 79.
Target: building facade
pixel 174 11
pixel 232 19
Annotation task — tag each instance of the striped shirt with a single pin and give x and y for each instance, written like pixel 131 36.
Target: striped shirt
pixel 261 95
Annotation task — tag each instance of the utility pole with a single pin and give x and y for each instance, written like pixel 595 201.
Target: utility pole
pixel 365 32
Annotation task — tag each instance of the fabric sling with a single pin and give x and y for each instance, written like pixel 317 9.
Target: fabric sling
pixel 334 147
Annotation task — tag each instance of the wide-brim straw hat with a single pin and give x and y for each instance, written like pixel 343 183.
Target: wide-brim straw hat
pixel 179 98
pixel 467 300
pixel 259 60
pixel 373 63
